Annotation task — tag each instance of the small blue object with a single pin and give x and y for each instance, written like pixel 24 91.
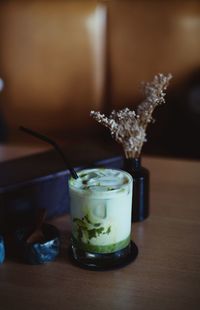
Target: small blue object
pixel 2 250
pixel 38 253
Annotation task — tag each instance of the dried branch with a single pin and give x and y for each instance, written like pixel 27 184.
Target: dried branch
pixel 129 128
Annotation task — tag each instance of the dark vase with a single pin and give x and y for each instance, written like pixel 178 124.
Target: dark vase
pixel 140 201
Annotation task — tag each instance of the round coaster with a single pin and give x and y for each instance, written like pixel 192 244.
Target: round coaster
pixel 113 263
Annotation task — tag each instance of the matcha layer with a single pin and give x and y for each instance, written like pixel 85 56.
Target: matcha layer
pixel 103 248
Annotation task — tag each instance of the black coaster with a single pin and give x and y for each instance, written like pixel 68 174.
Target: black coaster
pixel 109 261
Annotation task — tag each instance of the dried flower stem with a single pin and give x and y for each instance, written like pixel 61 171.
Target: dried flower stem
pixel 129 128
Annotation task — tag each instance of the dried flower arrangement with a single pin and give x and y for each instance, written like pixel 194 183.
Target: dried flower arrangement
pixel 128 127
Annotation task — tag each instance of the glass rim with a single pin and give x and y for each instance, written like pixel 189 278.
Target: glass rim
pixel 106 192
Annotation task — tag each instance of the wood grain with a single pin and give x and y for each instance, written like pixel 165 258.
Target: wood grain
pixel 166 274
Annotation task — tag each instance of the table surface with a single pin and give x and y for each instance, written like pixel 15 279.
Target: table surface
pixel 166 274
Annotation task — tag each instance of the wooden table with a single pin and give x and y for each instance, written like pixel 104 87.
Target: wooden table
pixel 166 274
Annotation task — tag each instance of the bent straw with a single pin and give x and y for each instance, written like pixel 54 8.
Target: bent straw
pixel 54 144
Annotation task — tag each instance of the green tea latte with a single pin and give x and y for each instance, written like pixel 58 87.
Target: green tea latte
pixel 101 201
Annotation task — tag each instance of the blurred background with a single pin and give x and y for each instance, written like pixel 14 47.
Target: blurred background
pixel 61 59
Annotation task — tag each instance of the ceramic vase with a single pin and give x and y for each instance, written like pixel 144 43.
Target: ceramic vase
pixel 141 183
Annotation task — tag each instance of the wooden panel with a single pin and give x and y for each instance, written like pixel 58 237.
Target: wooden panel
pixel 52 57
pixel 148 37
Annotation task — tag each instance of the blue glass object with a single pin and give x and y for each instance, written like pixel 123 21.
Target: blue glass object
pixel 2 250
pixel 38 253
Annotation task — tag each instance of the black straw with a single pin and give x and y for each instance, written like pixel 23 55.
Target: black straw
pixel 54 144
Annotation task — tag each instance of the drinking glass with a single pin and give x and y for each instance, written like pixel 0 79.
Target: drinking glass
pixel 100 207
